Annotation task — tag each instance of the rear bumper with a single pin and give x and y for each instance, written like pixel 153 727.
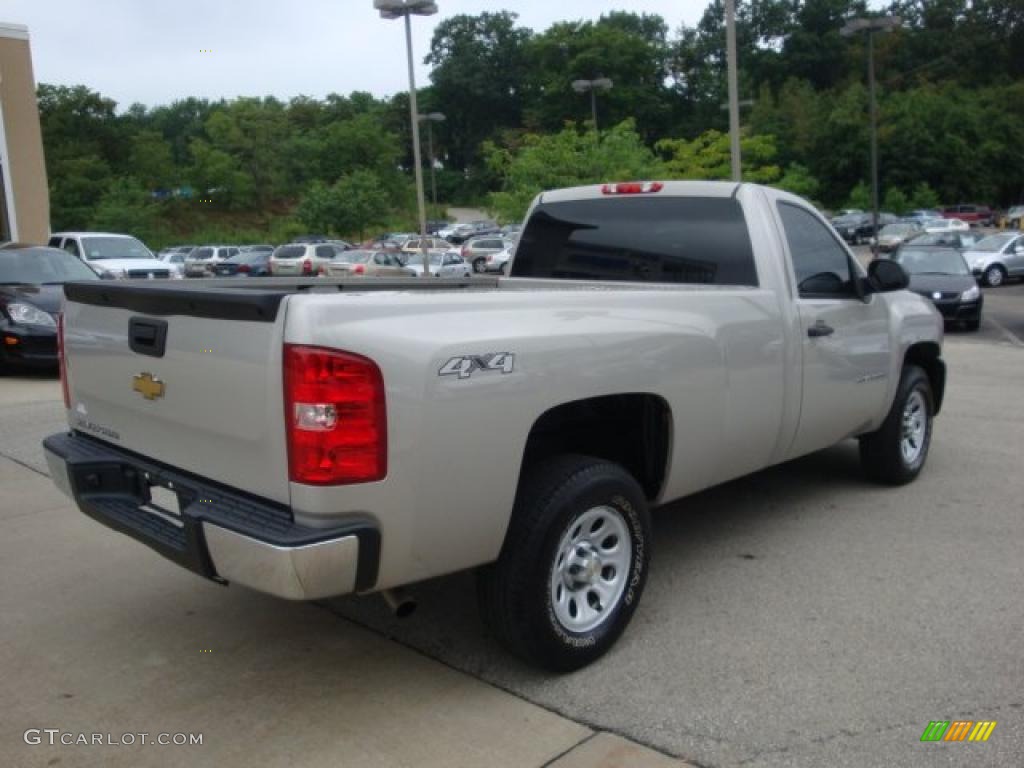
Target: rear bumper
pixel 220 533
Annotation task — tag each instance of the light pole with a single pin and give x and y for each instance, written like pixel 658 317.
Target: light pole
pixel 734 142
pixel 582 86
pixel 431 118
pixel 734 104
pixel 871 26
pixel 404 9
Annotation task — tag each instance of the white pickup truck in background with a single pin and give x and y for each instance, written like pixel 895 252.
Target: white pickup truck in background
pixel 312 438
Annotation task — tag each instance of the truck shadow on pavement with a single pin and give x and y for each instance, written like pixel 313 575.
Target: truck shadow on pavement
pixel 722 522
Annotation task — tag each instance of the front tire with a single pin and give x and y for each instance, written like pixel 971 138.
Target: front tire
pixel 573 565
pixel 896 452
pixel 994 276
pixel 480 266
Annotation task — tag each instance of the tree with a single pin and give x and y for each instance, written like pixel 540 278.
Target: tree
pixel 923 197
pixel 356 201
pixel 896 201
pixel 127 207
pixel 859 197
pixel 798 180
pixel 709 157
pixel 568 158
pixel 479 67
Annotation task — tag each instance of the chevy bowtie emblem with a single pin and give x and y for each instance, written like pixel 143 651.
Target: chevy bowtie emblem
pixel 148 385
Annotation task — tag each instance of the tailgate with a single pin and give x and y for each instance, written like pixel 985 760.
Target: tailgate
pixel 210 404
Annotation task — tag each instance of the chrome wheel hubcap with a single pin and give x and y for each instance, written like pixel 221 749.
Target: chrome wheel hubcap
pixel 915 427
pixel 995 277
pixel 591 568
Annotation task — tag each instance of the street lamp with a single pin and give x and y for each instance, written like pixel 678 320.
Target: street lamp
pixel 731 76
pixel 582 86
pixel 404 9
pixel 871 26
pixel 431 118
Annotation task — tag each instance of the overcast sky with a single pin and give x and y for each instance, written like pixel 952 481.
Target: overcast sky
pixel 154 52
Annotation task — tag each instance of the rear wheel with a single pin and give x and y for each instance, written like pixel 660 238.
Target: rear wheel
pixel 896 451
pixel 573 565
pixel 479 265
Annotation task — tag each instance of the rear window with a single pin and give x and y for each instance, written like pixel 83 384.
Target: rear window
pixel 659 240
pixel 290 252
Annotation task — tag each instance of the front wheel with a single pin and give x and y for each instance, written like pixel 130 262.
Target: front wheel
pixel 479 266
pixel 573 565
pixel 896 451
pixel 994 276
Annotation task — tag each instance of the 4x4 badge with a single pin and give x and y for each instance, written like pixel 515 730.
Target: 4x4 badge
pixel 465 366
pixel 148 385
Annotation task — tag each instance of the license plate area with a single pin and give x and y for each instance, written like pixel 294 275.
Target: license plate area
pixel 164 501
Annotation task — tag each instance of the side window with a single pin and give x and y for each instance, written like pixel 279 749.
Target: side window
pixel 232 252
pixel 324 252
pixel 381 259
pixel 821 264
pixel 71 246
pixel 54 242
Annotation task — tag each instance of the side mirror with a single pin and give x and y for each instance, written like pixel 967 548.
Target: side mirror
pixel 886 275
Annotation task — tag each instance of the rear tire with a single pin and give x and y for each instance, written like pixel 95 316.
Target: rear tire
pixel 895 453
pixel 479 266
pixel 573 565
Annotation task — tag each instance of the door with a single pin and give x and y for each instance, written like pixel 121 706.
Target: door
pixel 845 340
pixel 1015 257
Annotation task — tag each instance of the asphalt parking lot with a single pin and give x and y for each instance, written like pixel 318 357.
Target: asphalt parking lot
pixel 798 617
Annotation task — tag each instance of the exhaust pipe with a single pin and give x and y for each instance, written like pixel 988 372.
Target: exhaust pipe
pixel 401 603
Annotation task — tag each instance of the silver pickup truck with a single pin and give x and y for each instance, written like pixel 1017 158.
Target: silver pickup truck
pixel 314 437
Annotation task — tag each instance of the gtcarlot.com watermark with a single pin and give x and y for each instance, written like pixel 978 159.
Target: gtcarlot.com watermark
pixel 56 737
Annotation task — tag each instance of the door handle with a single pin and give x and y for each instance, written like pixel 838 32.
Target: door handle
pixel 820 329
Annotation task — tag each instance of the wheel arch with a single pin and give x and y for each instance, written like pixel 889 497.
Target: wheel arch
pixel 633 430
pixel 928 355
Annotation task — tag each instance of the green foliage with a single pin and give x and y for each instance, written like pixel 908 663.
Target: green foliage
pixel 126 207
pixel 355 203
pixel 859 197
pixel 923 197
pixel 708 157
pixel 798 180
pixel 567 158
pixel 896 201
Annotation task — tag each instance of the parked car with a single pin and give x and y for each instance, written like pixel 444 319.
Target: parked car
pixel 442 264
pixel 974 215
pixel 252 263
pixel 1014 216
pixel 941 276
pixel 310 239
pixel 360 263
pixel 175 258
pixel 848 225
pixel 892 236
pixel 436 225
pixel 933 226
pixel 498 262
pixel 921 214
pixel 660 339
pixel 31 290
pixel 478 228
pixel 961 241
pixel 997 257
pixel 112 256
pixel 202 260
pixel 302 259
pixel 415 244
pixel 475 251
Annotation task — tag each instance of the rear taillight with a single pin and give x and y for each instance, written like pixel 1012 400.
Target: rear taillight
pixel 632 188
pixel 244 268
pixel 359 269
pixel 465 251
pixel 335 417
pixel 307 267
pixel 62 361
